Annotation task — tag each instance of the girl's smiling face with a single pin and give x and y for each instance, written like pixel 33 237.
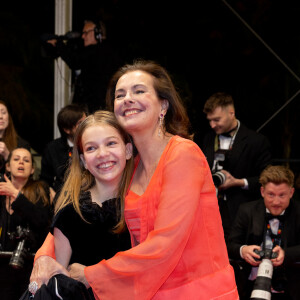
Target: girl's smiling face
pixel 104 153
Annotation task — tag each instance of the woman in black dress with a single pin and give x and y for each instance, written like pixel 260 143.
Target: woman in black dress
pixel 25 218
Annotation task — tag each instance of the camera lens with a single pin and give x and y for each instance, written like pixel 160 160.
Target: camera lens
pixel 18 256
pixel 218 178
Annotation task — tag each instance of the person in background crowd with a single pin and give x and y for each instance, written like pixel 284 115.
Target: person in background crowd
pixel 57 153
pixel 92 63
pixel 9 139
pixel 178 248
pixel 25 216
pixel 272 223
pixel 236 155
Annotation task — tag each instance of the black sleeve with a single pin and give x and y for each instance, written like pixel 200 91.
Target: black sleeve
pixel 37 215
pixel 68 222
pixel 71 53
pixel 238 233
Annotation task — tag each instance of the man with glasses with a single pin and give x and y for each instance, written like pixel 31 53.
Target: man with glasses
pixel 92 60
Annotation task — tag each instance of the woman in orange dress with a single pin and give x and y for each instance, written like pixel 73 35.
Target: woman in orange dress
pixel 178 248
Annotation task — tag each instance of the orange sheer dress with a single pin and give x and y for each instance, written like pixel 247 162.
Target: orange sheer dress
pixel 178 249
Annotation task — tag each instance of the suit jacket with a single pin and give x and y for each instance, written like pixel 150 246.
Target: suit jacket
pixel 250 154
pixel 55 162
pixel 249 228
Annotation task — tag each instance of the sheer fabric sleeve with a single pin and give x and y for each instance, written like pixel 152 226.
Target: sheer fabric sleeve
pixel 172 201
pixel 47 248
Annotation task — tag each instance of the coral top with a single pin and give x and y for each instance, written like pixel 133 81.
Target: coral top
pixel 176 232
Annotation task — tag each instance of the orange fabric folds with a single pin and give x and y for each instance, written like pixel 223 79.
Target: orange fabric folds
pixel 179 250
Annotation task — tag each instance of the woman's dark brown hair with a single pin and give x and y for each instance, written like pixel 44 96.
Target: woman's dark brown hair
pixel 176 118
pixel 9 135
pixel 34 190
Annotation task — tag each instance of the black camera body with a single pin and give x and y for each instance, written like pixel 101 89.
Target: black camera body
pixel 266 253
pixel 20 254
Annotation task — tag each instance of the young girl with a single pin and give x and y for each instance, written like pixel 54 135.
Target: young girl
pixel 25 212
pixel 87 226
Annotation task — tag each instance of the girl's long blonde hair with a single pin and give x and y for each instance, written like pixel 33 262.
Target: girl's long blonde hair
pixel 79 179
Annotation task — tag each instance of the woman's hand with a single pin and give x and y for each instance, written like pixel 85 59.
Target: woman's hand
pixel 4 151
pixel 44 268
pixel 77 272
pixel 8 189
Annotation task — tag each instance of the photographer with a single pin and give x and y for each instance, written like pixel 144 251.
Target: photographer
pixel 272 224
pixel 25 215
pixel 237 153
pixel 92 60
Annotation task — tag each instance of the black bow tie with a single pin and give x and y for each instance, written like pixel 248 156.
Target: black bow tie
pixel 226 134
pixel 229 133
pixel 270 217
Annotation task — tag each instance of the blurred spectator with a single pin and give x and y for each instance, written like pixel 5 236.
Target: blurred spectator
pixel 57 153
pixel 236 156
pixel 92 63
pixel 9 138
pixel 25 216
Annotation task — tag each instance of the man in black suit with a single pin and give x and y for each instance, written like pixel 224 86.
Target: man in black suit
pixel 56 156
pixel 235 152
pixel 271 223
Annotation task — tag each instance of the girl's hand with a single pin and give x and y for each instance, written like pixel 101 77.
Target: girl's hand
pixel 77 272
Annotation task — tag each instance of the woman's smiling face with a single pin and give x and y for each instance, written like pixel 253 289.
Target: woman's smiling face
pixel 137 106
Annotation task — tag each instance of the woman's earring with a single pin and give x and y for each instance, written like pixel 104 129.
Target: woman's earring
pixel 161 122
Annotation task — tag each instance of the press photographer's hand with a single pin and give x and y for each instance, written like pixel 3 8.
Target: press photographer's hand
pixel 230 181
pixel 250 256
pixel 280 257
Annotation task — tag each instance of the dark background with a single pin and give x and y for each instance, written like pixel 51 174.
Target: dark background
pixel 203 44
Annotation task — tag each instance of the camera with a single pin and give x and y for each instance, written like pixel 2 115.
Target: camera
pixel 70 35
pixel 267 253
pixel 218 178
pixel 263 283
pixel 219 164
pixel 20 253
